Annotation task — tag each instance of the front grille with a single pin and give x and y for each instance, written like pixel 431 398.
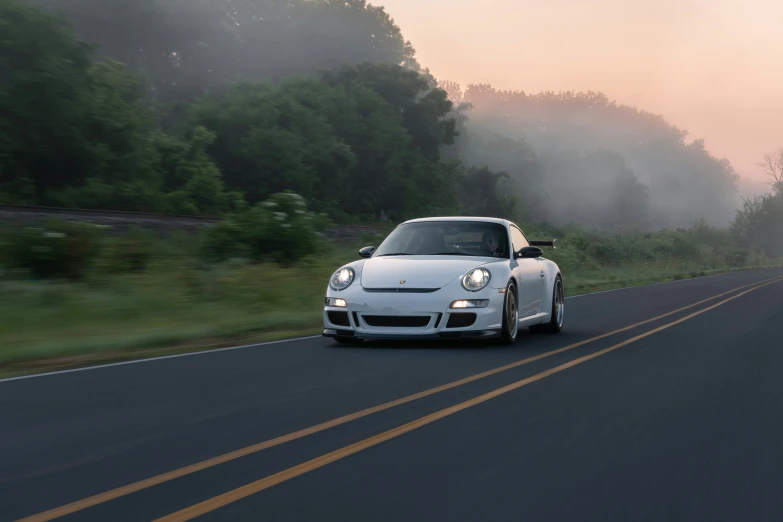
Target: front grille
pixel 461 320
pixel 397 321
pixel 338 318
pixel 401 290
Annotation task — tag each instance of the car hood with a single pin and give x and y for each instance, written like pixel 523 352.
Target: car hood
pixel 416 271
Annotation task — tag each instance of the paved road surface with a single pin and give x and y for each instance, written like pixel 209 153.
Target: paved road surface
pixel 678 418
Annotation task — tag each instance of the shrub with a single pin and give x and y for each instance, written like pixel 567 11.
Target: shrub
pixel 280 229
pixel 131 252
pixel 58 249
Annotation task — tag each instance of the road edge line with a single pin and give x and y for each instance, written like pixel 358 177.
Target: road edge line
pixel 142 484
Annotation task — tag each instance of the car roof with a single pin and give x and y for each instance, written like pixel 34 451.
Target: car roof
pixel 480 219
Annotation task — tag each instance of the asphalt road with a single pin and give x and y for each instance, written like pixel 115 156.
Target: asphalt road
pixel 678 418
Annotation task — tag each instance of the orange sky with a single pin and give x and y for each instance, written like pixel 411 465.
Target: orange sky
pixel 712 67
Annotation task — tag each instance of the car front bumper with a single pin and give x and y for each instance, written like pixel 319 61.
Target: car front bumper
pixel 370 315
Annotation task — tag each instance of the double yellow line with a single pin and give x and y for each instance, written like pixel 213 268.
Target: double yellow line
pixel 277 478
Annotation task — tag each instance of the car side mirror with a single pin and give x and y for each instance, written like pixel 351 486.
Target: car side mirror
pixel 367 251
pixel 529 252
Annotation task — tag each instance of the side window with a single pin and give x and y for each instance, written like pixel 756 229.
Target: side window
pixel 518 240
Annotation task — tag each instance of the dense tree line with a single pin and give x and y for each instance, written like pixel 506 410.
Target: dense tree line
pixel 184 47
pixel 759 223
pixel 211 106
pixel 356 140
pixel 596 162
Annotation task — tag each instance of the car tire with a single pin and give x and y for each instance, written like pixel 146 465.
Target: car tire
pixel 557 317
pixel 509 331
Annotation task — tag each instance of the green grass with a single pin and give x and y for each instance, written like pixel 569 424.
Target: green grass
pixel 640 274
pixel 179 305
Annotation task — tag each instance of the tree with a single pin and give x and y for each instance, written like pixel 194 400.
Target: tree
pixel 684 181
pixel 772 166
pixel 415 176
pixel 186 47
pixel 42 100
pixel 191 182
pixel 595 188
pixel 425 110
pixel 481 194
pixel 82 133
pixel 759 224
pixel 273 139
pixel 364 140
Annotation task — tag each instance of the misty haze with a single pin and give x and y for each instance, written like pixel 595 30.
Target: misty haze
pixel 405 260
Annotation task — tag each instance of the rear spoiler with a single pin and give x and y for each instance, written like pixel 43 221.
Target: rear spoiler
pixel 544 243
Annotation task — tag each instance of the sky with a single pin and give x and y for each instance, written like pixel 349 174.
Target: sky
pixel 711 67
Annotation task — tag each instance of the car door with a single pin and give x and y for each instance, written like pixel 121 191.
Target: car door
pixel 530 276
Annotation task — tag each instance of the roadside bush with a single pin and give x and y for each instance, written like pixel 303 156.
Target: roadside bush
pixel 280 229
pixel 738 258
pixel 131 252
pixel 60 249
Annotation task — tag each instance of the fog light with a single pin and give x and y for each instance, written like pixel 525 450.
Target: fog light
pixel 470 303
pixel 336 302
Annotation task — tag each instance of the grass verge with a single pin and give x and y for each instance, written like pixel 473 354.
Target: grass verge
pixel 177 308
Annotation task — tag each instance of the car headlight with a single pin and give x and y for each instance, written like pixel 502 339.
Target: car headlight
pixel 342 279
pixel 476 279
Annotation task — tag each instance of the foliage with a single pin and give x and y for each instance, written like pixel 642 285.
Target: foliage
pixel 772 166
pixel 280 229
pixel 701 245
pixel 56 250
pixel 337 110
pixel 482 194
pixel 271 139
pixel 128 253
pixel 186 47
pixel 83 134
pixel 364 138
pixel 759 224
pixel 42 92
pixel 578 142
pixel 180 301
pixel 248 109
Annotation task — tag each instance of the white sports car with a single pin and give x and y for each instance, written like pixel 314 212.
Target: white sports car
pixel 446 277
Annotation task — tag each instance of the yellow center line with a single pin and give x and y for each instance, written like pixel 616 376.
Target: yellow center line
pixel 242 452
pixel 318 462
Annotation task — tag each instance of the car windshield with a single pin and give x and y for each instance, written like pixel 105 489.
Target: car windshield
pixel 454 238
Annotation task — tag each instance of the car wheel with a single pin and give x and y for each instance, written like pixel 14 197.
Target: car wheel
pixel 510 328
pixel 555 323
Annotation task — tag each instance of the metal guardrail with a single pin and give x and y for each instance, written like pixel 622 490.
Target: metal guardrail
pixel 33 209
pixel 104 213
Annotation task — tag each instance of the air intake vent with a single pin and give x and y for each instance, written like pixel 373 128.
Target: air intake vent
pixel 397 321
pixel 402 290
pixel 338 318
pixel 461 320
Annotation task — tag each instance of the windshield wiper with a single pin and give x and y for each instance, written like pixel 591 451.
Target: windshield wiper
pixel 449 254
pixel 395 254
